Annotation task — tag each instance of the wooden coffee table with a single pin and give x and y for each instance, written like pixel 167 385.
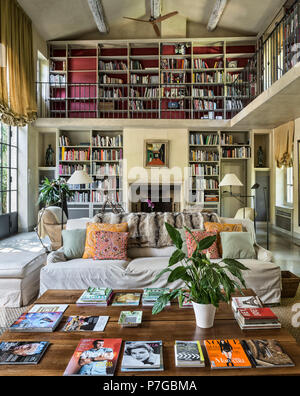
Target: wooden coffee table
pixel 172 324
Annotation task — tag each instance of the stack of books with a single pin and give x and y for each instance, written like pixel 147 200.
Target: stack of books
pixel 151 295
pixel 188 354
pixel 40 318
pixel 143 356
pixel 95 296
pixel 257 318
pixel 130 318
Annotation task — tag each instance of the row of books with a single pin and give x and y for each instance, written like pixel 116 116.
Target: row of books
pixel 204 184
pixel 173 78
pixel 203 139
pixel 79 197
pixel 64 141
pixel 94 356
pixel 204 105
pixel 202 64
pixel 175 63
pixel 111 183
pixel 198 92
pixel 107 141
pixel 169 92
pixel 74 154
pixel 234 104
pixel 57 78
pixel 216 77
pixel 101 197
pixel 107 155
pixel 113 65
pixel 106 170
pixel 110 93
pixel 105 79
pixel 141 79
pixel 204 170
pixel 147 93
pixel 202 155
pixel 69 169
pixel 237 152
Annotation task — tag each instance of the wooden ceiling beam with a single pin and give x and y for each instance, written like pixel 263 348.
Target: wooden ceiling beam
pixel 216 14
pixel 97 10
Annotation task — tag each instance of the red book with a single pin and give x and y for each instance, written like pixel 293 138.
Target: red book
pixel 257 315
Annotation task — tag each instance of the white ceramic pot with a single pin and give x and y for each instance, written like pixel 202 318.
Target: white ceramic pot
pixel 205 315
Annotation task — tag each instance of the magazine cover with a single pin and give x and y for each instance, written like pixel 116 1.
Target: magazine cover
pixel 37 321
pixel 48 308
pixel 126 299
pixel 27 352
pixel 85 323
pixel 267 353
pixel 246 302
pixel 142 355
pixel 226 354
pixel 130 318
pixel 188 354
pixel 95 356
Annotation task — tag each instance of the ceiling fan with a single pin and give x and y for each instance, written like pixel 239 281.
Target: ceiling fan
pixel 154 20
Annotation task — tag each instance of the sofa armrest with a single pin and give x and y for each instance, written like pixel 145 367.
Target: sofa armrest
pixel 56 256
pixel 263 254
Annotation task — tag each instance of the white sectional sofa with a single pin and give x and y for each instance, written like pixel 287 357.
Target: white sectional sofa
pixel 143 264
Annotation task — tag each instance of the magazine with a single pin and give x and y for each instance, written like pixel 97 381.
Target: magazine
pixel 226 354
pixel 130 318
pixel 96 294
pixel 41 308
pixel 188 354
pixel 86 323
pixel 126 299
pixel 37 321
pixel 245 302
pixel 23 352
pixel 151 295
pixel 142 356
pixel 266 353
pixel 95 356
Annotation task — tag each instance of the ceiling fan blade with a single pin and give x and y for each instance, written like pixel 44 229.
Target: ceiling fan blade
pixel 162 18
pixel 139 20
pixel 156 29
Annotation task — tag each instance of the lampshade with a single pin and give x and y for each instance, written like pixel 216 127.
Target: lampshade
pixel 230 180
pixel 80 177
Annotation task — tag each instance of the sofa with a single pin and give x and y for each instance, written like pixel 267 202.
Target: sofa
pixel 148 254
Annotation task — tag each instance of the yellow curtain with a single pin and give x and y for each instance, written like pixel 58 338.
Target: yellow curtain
pixel 17 92
pixel 283 144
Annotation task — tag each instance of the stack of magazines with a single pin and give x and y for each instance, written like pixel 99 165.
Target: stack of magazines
pixel 95 296
pixel 189 354
pixel 257 318
pixel 151 295
pixel 130 318
pixel 143 356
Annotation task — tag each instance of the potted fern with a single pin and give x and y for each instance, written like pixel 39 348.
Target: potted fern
pixel 207 283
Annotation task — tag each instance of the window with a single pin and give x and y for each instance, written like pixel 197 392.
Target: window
pixel 289 186
pixel 8 179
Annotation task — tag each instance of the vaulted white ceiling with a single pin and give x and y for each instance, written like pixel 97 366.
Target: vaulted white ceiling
pixel 72 19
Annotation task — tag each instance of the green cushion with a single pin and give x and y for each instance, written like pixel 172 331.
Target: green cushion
pixel 237 245
pixel 74 243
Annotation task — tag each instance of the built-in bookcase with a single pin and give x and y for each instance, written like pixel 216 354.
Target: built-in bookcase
pixel 209 151
pixel 160 79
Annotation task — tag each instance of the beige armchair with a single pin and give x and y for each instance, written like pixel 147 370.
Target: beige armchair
pixel 50 221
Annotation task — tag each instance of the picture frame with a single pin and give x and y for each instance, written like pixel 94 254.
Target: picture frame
pixel 156 153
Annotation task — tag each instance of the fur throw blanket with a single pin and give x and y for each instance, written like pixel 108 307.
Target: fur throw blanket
pixel 148 229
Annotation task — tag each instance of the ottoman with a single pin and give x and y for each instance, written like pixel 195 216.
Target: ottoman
pixel 20 277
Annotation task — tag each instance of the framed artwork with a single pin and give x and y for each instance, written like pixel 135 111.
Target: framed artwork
pixel 156 153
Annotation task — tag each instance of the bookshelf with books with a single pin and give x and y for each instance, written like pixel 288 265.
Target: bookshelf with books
pixel 100 154
pixel 209 151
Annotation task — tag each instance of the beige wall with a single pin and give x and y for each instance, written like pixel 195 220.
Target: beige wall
pixel 296 176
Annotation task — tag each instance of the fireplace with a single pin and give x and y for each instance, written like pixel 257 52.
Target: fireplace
pixel 155 197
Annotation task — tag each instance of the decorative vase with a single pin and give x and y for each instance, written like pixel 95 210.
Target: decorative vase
pixel 205 315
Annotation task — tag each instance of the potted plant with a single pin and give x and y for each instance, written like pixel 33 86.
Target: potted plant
pixel 54 192
pixel 207 283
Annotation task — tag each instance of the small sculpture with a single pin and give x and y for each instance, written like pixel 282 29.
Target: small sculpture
pixel 50 156
pixel 260 157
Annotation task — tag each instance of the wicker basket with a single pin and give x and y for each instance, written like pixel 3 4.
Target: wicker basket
pixel 290 283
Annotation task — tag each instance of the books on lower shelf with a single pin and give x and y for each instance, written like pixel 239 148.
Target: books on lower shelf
pixel 95 357
pixel 95 296
pixel 257 318
pixel 188 354
pixel 151 295
pixel 121 298
pixel 40 318
pixel 22 352
pixel 130 318
pixel 143 356
pixel 85 323
pixel 226 354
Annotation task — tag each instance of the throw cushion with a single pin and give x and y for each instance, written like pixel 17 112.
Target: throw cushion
pixel 92 228
pixel 237 245
pixel 74 242
pixel 111 245
pixel 199 235
pixel 219 227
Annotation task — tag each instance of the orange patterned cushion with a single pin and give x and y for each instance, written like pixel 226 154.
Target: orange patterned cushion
pixel 199 235
pixel 90 240
pixel 219 227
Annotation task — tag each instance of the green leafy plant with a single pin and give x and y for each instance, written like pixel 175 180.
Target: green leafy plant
pixel 52 192
pixel 206 282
